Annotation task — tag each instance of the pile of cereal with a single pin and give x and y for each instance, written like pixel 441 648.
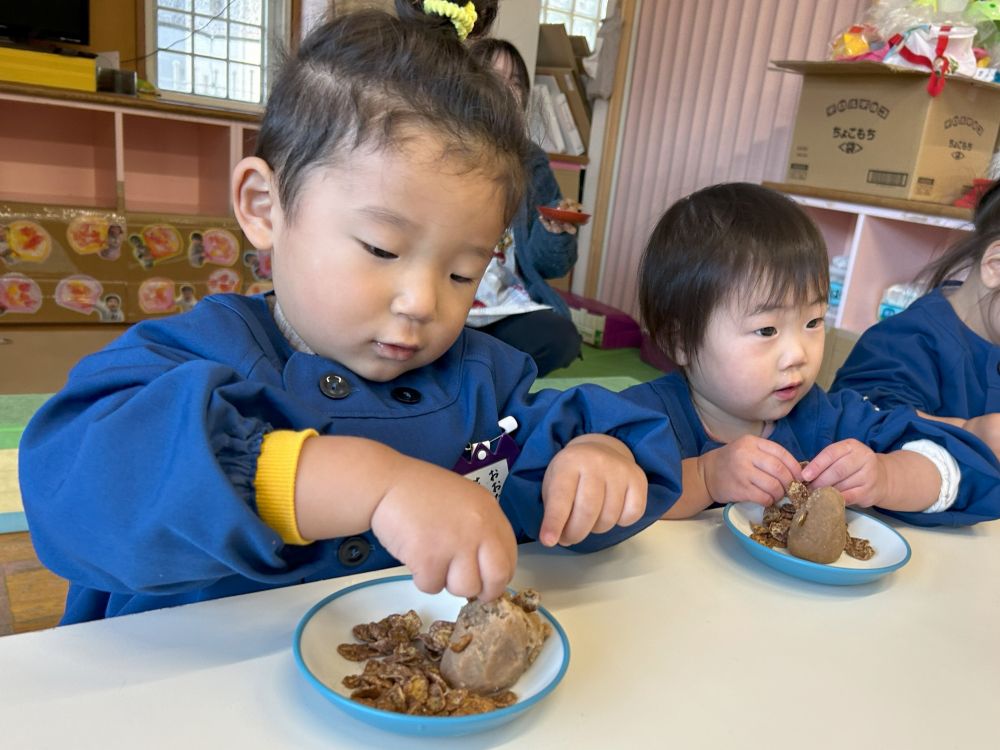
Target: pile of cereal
pixel 773 530
pixel 402 670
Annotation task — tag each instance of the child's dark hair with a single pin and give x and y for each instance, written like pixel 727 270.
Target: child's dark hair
pixel 965 254
pixel 487 51
pixel 366 78
pixel 734 241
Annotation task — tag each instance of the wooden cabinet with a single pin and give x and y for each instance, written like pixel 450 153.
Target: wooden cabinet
pixel 152 169
pixel 886 242
pixel 117 152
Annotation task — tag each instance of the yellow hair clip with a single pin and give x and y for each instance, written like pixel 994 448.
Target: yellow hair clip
pixel 463 17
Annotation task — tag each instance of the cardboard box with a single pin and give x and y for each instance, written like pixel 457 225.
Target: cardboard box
pixel 47 69
pixel 558 57
pixel 555 48
pixel 568 179
pixel 581 49
pixel 569 85
pixel 872 128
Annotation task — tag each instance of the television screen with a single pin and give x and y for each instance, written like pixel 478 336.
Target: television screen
pixel 52 20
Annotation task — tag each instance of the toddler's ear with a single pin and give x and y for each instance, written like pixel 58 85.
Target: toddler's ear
pixel 989 266
pixel 253 202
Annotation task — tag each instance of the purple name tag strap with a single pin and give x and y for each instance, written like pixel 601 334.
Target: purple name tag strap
pixel 488 462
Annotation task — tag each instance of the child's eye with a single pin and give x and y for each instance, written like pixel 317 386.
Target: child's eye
pixel 767 331
pixel 378 252
pixel 461 279
pixel 814 323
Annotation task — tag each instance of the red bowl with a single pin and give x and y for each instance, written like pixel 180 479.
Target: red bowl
pixel 563 214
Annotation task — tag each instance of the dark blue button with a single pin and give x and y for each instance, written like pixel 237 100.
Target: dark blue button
pixel 406 395
pixel 334 386
pixel 353 551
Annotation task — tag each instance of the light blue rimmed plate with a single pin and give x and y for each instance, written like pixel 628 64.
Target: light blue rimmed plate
pixel 329 624
pixel 891 550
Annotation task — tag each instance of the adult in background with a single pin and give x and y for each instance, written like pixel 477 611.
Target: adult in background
pixel 514 303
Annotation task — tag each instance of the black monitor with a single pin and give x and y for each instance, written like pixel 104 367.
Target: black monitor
pixel 48 20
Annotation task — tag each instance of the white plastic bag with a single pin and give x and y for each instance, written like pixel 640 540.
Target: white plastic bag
pixel 947 49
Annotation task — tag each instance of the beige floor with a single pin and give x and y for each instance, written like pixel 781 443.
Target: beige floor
pixel 31 597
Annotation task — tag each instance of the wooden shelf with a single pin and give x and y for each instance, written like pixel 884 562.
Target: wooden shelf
pixel 108 160
pixel 887 241
pixel 582 160
pixel 51 154
pixel 118 101
pixel 874 201
pixel 175 165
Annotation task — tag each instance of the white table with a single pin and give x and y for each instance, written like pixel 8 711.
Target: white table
pixel 679 639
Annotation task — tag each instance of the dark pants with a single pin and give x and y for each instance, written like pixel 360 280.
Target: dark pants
pixel 546 336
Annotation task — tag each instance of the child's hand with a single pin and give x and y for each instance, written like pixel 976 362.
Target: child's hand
pixel 749 469
pixel 448 530
pixel 852 468
pixel 592 485
pixel 987 429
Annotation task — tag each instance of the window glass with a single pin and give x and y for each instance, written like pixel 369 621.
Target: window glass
pixel 215 48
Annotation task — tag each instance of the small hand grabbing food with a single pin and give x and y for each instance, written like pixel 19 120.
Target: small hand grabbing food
pixel 812 525
pixel 405 668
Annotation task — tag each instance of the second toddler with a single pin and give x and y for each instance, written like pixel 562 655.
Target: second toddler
pixel 733 286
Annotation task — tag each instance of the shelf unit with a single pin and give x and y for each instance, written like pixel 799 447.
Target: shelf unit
pixel 886 242
pixel 119 153
pixel 146 160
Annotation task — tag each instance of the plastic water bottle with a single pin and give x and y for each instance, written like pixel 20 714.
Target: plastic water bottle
pixel 897 298
pixel 838 272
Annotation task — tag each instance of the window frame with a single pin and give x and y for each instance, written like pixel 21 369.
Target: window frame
pixel 280 24
pixel 602 13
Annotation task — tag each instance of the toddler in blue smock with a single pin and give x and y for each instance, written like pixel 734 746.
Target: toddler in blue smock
pixel 310 433
pixel 733 285
pixel 941 355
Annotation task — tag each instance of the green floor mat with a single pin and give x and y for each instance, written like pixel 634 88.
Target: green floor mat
pixel 608 363
pixel 15 411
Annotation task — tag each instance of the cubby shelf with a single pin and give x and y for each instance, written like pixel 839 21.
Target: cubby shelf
pixel 146 160
pixel 118 153
pixel 886 242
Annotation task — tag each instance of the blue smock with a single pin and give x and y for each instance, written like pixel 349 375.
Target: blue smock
pixel 821 419
pixel 927 358
pixel 138 477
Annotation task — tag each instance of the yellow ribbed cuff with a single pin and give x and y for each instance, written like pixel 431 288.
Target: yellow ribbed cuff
pixel 275 481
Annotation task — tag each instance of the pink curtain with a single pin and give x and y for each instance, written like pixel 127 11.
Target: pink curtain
pixel 705 108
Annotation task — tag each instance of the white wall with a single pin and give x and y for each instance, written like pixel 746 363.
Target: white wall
pixel 517 22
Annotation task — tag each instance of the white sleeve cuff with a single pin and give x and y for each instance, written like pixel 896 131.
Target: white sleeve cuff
pixel 947 467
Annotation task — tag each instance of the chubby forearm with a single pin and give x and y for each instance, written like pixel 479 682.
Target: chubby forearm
pixel 695 496
pixel 339 483
pixel 913 482
pixel 597 438
pixel 955 421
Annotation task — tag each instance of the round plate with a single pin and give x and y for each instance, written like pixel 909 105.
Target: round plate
pixel 562 214
pixel 891 550
pixel 329 624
